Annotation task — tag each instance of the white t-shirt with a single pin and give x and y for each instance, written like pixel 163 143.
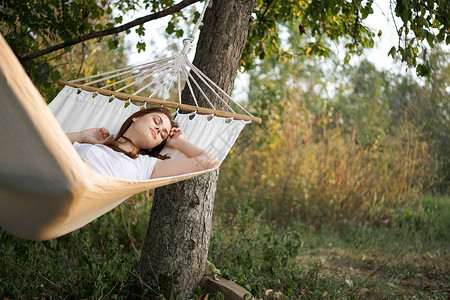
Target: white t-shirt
pixel 105 161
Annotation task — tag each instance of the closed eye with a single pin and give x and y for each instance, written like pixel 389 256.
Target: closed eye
pixel 164 132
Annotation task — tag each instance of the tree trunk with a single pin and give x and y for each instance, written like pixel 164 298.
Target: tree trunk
pixel 176 245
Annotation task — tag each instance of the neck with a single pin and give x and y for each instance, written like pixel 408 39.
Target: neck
pixel 127 144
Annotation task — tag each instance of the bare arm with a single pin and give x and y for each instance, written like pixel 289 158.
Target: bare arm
pixel 91 136
pixel 198 159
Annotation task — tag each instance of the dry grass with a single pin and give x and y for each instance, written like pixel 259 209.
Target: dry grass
pixel 308 167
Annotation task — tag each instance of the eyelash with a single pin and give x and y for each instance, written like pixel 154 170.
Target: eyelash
pixel 156 120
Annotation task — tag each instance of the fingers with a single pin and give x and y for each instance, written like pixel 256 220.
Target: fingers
pixel 175 131
pixel 105 139
pixel 104 132
pixel 104 136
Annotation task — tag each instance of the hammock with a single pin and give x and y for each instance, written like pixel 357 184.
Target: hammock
pixel 46 190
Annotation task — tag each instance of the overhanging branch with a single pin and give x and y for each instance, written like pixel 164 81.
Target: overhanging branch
pixel 115 30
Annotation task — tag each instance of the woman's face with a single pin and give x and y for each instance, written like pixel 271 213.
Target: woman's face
pixel 150 130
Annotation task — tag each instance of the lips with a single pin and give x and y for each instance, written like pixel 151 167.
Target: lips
pixel 153 133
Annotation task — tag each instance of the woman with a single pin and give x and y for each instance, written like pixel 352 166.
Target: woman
pixel 135 152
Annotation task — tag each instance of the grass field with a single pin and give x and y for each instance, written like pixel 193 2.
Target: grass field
pixel 405 257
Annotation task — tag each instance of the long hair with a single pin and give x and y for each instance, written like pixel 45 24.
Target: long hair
pixel 155 152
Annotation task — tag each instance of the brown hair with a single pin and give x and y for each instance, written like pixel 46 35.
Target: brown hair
pixel 155 152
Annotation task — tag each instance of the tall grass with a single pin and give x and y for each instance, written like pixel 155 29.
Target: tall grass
pixel 305 166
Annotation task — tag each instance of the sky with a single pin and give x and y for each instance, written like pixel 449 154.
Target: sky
pixel 381 19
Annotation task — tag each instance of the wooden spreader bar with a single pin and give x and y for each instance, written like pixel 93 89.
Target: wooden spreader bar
pixel 186 107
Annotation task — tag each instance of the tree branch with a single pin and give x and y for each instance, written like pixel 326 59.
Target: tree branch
pixel 115 30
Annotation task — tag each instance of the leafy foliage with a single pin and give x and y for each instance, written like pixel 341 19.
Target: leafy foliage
pixel 245 248
pixel 50 25
pixel 31 26
pixel 424 24
pixel 427 107
pixel 423 20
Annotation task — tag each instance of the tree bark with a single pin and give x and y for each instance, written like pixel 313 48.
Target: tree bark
pixel 175 249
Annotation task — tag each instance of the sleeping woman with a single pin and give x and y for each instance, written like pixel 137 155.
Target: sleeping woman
pixel 134 154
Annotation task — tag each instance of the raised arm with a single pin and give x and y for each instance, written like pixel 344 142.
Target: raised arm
pixel 198 159
pixel 91 136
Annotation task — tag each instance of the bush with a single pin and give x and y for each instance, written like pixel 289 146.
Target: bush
pixel 263 259
pixel 305 166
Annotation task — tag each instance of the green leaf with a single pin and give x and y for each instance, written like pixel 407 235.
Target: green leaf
pixel 140 46
pixel 430 39
pixel 196 16
pixel 347 58
pixel 179 33
pixel 421 70
pixel 56 75
pixel 113 43
pixel 392 52
pixel 364 13
pixel 140 30
pixel 262 54
pixel 170 28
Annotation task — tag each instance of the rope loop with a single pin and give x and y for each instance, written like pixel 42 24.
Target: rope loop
pixel 176 112
pixel 190 39
pixel 228 120
pixel 210 116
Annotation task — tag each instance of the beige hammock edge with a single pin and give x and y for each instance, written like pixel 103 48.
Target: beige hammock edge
pixel 46 190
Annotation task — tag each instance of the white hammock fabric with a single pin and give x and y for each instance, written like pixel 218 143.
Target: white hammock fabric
pixel 76 109
pixel 46 190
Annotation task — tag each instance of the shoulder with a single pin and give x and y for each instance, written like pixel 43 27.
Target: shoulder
pixel 146 159
pixel 145 165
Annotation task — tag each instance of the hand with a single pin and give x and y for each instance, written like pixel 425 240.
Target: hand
pixel 96 136
pixel 175 135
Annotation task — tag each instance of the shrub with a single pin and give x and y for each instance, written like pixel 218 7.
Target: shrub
pixel 305 166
